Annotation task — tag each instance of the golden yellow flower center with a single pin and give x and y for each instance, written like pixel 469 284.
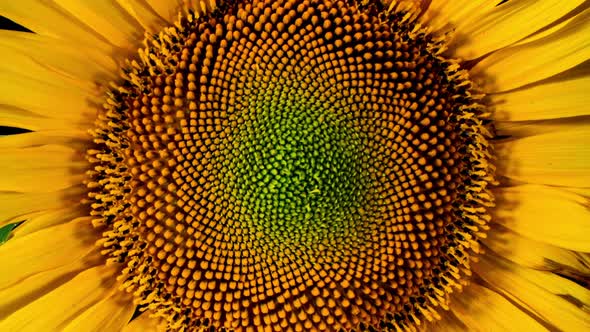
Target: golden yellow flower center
pixel 291 165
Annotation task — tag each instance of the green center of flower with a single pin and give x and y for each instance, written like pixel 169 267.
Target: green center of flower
pixel 294 173
pixel 291 165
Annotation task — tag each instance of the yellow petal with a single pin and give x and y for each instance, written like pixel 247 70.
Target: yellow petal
pixel 46 168
pixel 32 288
pixel 50 180
pixel 46 219
pixel 145 323
pixel 19 206
pixel 42 54
pixel 12 116
pixel 76 139
pixel 555 26
pixel 110 314
pixel 580 191
pixel 44 156
pixel 148 18
pixel 545 101
pixel 496 27
pixel 445 15
pixel 530 62
pixel 63 304
pixel 553 299
pixel 167 9
pixel 49 83
pixel 48 98
pixel 107 18
pixel 47 86
pixel 482 309
pixel 513 130
pixel 534 254
pixel 554 155
pixel 46 249
pixel 545 214
pixel 48 19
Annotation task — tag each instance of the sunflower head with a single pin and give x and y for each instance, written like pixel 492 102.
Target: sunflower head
pixel 312 165
pixel 295 165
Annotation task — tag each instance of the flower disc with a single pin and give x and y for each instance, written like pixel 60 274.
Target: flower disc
pixel 291 165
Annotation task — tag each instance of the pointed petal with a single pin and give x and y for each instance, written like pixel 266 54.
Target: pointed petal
pixel 107 18
pixel 535 254
pixel 12 116
pixel 443 15
pixel 46 249
pixel 549 154
pixel 553 299
pixel 48 19
pixel 168 9
pixel 546 101
pixel 496 27
pixel 148 18
pixel 30 289
pixel 46 219
pixel 527 63
pixel 48 86
pixel 60 306
pixel 76 139
pixel 482 309
pixel 538 212
pixel 48 98
pixel 19 206
pixel 50 155
pixel 51 56
pixel 580 191
pixel 110 314
pixel 47 168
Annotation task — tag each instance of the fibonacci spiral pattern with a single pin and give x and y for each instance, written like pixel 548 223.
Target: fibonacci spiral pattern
pixel 291 165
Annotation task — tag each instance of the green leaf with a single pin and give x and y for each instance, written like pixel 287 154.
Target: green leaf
pixel 5 232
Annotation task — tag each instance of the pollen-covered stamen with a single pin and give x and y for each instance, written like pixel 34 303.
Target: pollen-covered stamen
pixel 291 165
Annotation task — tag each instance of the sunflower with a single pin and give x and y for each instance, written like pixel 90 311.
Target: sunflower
pixel 317 165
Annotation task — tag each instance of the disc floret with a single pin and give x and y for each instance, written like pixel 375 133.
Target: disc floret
pixel 303 165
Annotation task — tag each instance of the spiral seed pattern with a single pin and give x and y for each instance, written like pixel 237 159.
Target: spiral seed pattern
pixel 291 166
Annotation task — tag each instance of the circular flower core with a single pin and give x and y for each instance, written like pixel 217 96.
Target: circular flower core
pixel 291 165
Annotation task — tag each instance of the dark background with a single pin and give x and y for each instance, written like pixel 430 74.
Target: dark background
pixel 6 24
